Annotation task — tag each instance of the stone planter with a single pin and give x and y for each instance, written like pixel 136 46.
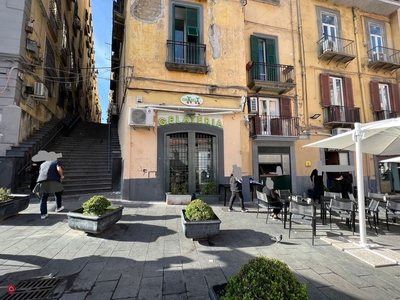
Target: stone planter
pixel 93 224
pixel 200 230
pixel 215 290
pixel 13 206
pixel 209 199
pixel 172 199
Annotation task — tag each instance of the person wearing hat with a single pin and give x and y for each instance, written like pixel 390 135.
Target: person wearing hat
pixel 49 181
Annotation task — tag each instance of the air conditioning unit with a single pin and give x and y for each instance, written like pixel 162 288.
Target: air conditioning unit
pixel 380 56
pixel 68 86
pixel 40 91
pixel 337 131
pixel 329 45
pixel 253 105
pixel 141 117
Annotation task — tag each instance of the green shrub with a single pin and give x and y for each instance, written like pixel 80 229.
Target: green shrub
pixel 209 188
pixel 265 278
pixel 179 188
pixel 198 210
pixel 96 206
pixel 5 194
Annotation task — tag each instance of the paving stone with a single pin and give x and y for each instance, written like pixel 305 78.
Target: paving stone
pixel 102 290
pixel 151 288
pixel 173 282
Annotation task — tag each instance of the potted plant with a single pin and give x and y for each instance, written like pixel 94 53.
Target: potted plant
pixel 208 193
pixel 178 194
pixel 12 204
pixel 199 221
pixel 261 278
pixel 95 215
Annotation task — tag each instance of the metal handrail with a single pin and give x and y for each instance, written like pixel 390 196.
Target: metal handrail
pixel 24 167
pixel 109 146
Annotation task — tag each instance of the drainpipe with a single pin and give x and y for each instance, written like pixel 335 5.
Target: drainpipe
pixel 294 61
pixel 358 54
pixel 364 105
pixel 302 63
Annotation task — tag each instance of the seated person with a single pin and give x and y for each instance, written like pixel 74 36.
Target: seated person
pixel 273 196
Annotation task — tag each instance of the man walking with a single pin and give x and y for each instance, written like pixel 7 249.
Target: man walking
pixel 236 190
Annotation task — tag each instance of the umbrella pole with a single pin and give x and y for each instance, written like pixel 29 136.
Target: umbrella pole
pixel 360 184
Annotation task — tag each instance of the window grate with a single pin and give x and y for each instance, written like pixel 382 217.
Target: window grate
pixel 178 158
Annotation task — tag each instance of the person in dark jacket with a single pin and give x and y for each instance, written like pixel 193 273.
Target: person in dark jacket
pixel 318 184
pixel 347 184
pixel 236 190
pixel 273 197
pixel 49 181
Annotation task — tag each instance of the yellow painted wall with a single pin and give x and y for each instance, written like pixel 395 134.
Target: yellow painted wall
pixel 357 70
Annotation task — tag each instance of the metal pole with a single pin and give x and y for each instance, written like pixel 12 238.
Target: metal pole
pixel 360 184
pixel 109 146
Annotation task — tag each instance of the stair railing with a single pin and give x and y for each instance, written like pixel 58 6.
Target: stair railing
pixel 52 138
pixel 109 147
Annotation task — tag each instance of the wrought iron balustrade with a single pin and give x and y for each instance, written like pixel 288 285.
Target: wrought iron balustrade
pixel 384 115
pixel 186 53
pixel 274 125
pixel 341 114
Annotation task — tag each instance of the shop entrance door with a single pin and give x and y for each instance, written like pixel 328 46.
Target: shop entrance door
pixel 191 160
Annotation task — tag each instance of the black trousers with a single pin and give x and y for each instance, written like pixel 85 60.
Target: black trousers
pixel 233 197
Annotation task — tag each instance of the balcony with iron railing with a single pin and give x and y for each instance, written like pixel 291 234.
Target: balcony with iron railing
pixel 383 58
pixel 339 50
pixel 335 114
pixel 268 77
pixel 384 115
pixel 274 126
pixel 380 7
pixel 186 57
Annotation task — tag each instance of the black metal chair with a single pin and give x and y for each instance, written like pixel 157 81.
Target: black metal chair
pixel 343 208
pixel 303 213
pixel 371 212
pixel 392 211
pixel 267 203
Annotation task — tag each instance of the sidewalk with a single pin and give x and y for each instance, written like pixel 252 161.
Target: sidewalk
pixel 146 256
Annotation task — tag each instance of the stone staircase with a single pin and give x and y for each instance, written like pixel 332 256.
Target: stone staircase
pixel 86 159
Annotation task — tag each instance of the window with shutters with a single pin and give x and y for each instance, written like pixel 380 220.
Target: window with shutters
pixel 385 100
pixel 337 97
pixel 186 33
pixel 275 116
pixel 264 57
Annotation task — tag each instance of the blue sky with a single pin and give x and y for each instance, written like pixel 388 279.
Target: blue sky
pixel 102 26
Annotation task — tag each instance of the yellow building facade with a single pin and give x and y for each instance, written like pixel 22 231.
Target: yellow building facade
pixel 203 86
pixel 350 62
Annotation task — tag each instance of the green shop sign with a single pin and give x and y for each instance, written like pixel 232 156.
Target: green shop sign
pixel 164 120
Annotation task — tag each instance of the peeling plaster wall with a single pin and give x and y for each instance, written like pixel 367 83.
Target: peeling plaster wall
pixel 148 11
pixel 214 33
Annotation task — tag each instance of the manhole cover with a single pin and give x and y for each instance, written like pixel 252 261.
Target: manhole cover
pixel 34 289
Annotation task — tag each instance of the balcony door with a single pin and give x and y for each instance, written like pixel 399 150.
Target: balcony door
pixel 329 26
pixel 375 32
pixel 269 110
pixel 186 34
pixel 263 52
pixel 337 98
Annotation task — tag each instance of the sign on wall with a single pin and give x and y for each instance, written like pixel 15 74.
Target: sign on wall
pixel 191 100
pixel 170 118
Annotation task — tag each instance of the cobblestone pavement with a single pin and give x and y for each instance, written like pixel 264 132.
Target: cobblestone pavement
pixel 146 255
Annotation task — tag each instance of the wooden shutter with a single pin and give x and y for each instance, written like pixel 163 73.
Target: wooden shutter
pixel 276 126
pixel 394 97
pixel 375 98
pixel 254 48
pixel 348 92
pixel 285 107
pixel 325 90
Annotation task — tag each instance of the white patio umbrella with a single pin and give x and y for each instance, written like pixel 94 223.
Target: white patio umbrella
pixel 379 138
pixel 392 159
